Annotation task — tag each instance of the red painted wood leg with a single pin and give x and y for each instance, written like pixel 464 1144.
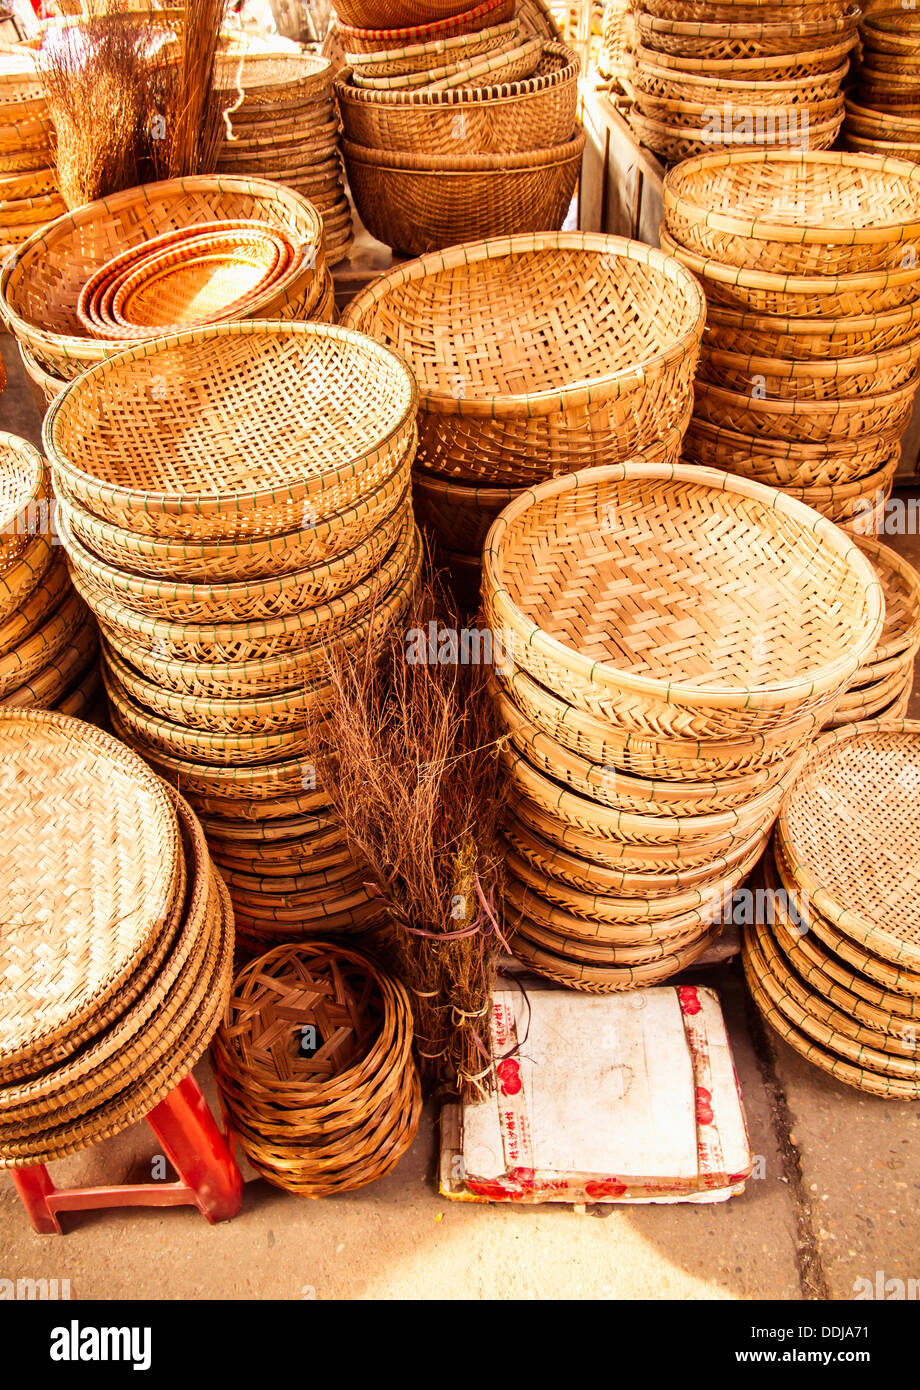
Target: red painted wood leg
pixel 197 1150
pixel 34 1187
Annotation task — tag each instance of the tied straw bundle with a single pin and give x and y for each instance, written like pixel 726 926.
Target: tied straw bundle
pixel 418 792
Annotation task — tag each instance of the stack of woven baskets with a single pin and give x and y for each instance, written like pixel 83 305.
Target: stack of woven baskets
pixel 283 125
pixel 883 106
pixel 730 73
pixel 810 359
pixel 314 1064
pixel 29 196
pixel 835 968
pixel 117 946
pixel 459 129
pixel 48 290
pixel 48 639
pixel 669 641
pixel 534 356
pixel 235 507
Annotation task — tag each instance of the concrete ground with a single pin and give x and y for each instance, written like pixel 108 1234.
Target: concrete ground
pixel 835 1199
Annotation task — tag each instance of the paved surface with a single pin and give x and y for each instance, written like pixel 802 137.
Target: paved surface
pixel 835 1199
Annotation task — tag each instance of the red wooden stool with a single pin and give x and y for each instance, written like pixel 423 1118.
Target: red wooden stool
pixel 208 1174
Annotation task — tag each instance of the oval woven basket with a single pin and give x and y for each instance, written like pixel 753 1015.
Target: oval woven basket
pixel 536 113
pixel 23 482
pixel 806 338
pixel 732 676
pixel 759 211
pixel 600 366
pixel 40 285
pixel 677 141
pixel 491 12
pixel 810 421
pixel 825 296
pixel 185 463
pixel 417 203
pixel 833 378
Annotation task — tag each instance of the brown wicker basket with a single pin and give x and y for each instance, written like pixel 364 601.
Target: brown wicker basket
pixel 358 40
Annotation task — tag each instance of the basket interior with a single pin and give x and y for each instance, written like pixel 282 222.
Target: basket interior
pixel 45 285
pixel 680 582
pixel 232 412
pixel 530 322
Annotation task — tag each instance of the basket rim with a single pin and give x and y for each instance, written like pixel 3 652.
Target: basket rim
pixel 412 29
pixel 550 400
pixel 405 161
pixel 836 367
pixel 773 405
pixel 179 503
pixel 763 229
pixel 742 66
pixel 14 444
pixel 713 29
pixel 454 96
pixel 456 75
pixel 433 46
pixel 826 677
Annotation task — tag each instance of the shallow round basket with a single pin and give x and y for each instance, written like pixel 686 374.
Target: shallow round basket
pixel 832 378
pixel 881 125
pixel 244 429
pixel 511 62
pixel 899 149
pixel 783 463
pixel 419 203
pixel 536 113
pixel 599 367
pixel 714 40
pixel 400 59
pixel 744 658
pixel 23 482
pixel 865 292
pixel 460 515
pixel 890 30
pixel 40 285
pixel 825 213
pixel 803 339
pixel 277 80
pixel 656 81
pixel 901 588
pixel 20 578
pixel 491 12
pixel 784 67
pixel 676 142
pixel 814 421
pixel 848 830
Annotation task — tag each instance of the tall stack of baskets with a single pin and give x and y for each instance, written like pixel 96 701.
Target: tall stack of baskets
pixel 534 356
pixel 659 686
pixel 29 196
pixel 812 350
pixel 460 129
pixel 41 286
pixel 730 73
pixel 48 638
pixel 883 106
pixel 282 124
pixel 236 510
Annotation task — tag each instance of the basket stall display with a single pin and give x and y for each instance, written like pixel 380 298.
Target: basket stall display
pixel 534 356
pixel 654 728
pixel 811 355
pixel 251 542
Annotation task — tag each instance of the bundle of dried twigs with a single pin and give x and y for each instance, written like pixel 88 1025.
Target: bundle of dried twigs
pixel 419 796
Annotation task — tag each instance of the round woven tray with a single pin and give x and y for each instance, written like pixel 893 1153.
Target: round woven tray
pixel 633 666
pixel 781 462
pixel 600 365
pixel 471 21
pixel 24 575
pixel 319 417
pixel 594 979
pixel 42 645
pixel 657 81
pixel 83 911
pixel 806 421
pixel 833 378
pixel 848 836
pixel 825 213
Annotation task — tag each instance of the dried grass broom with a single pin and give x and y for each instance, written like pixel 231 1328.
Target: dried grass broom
pixel 419 794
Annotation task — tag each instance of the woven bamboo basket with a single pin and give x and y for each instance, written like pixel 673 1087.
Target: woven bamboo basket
pixel 52 682
pixel 820 296
pixel 878 69
pixel 331 541
pixel 419 203
pixel 901 587
pixel 834 378
pixel 398 60
pixel 486 15
pixel 506 64
pixel 759 211
pixel 23 482
pixel 254 640
pixel 338 1119
pixel 803 339
pixel 600 365
pixel 890 31
pixel 181 465
pixel 869 701
pixel 807 420
pixel 785 67
pixel 457 513
pixel 787 122
pixel 41 644
pixel 40 285
pixel 598 979
pixel 45 386
pixel 734 676
pixel 255 600
pixel 676 142
pixel 881 125
pixel 753 12
pixel 705 39
pixel 20 578
pixel 35 607
pixel 781 463
pixel 656 81
pixel 885 149
pixel 536 113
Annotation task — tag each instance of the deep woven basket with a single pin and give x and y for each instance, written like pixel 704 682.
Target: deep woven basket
pixel 599 366
pixel 420 203
pixel 732 674
pixel 23 482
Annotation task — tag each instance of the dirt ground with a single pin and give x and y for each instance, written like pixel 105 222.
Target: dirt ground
pixel 835 1199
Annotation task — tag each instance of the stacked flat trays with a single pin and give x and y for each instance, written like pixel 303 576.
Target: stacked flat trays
pixel 812 351
pixel 117 950
pixel 837 970
pixel 269 526
pixel 883 106
pixel 29 196
pixel 657 707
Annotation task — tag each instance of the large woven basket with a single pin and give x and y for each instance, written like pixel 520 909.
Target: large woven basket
pixel 598 365
pixel 816 213
pixel 803 339
pixel 40 285
pixel 245 429
pixel 885 413
pixel 536 113
pixel 472 21
pixel 742 658
pixel 418 203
